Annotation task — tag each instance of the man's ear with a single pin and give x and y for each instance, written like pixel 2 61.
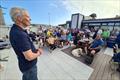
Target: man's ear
pixel 19 18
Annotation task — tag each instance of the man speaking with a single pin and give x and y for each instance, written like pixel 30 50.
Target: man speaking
pixel 22 44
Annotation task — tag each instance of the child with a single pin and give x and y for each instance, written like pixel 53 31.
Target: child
pixel 51 42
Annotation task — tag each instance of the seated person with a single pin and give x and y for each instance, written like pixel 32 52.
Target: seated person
pixel 92 49
pixel 51 41
pixel 63 38
pixel 69 38
pixel 77 38
pixel 33 36
pixel 116 57
pixel 116 49
pixel 118 40
pixel 40 42
pixel 49 32
pixel 95 46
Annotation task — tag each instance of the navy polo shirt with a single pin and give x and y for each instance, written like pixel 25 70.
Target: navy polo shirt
pixel 21 42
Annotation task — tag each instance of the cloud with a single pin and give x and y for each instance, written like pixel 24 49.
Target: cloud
pixel 103 8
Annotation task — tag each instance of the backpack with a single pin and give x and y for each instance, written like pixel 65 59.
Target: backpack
pixel 116 57
pixel 88 59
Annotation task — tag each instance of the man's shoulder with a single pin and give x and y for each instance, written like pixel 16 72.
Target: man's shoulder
pixel 17 33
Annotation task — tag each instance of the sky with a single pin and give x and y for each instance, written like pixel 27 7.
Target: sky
pixel 56 12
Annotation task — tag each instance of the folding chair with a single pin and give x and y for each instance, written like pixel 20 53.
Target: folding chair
pixel 114 61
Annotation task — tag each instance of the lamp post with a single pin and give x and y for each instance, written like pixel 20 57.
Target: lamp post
pixel 49 19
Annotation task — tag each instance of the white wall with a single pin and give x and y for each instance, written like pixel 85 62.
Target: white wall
pixel 80 20
pixel 74 21
pixel 4 30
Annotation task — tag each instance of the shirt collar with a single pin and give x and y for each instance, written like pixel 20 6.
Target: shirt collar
pixel 18 27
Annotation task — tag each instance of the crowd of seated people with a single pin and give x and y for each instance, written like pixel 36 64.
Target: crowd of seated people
pixel 71 34
pixel 58 37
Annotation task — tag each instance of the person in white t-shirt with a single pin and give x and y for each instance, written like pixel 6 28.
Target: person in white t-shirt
pixel 99 31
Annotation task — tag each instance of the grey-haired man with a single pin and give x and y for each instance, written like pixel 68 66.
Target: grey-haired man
pixel 23 46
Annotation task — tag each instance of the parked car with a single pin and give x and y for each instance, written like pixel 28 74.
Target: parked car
pixel 4 44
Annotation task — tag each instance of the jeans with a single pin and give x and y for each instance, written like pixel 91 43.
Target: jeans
pixel 30 74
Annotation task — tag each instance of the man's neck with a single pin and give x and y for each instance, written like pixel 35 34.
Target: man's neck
pixel 20 25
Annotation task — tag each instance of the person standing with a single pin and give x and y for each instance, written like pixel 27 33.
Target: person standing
pixel 23 46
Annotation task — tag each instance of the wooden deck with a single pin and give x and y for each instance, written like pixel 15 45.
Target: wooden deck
pixel 102 70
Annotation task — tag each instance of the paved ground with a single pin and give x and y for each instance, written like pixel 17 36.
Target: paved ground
pixel 51 66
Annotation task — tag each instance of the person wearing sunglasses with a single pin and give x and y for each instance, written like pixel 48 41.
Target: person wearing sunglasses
pixel 23 46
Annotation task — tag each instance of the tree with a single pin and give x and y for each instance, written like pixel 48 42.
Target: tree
pixel 93 15
pixel 117 16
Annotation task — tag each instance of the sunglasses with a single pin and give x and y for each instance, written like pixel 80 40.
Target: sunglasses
pixel 27 18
